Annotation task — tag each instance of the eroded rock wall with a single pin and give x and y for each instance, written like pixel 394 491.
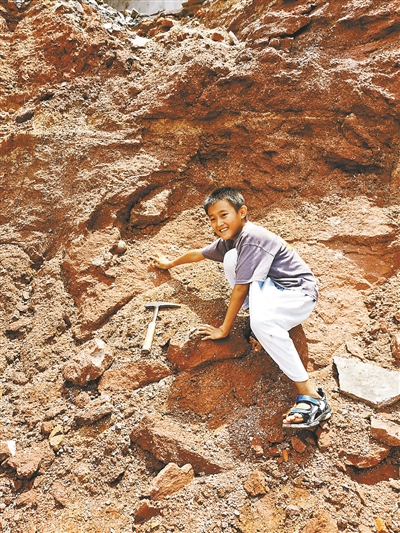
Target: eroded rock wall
pixel 113 129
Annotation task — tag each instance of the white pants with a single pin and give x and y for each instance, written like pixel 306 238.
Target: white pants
pixel 273 312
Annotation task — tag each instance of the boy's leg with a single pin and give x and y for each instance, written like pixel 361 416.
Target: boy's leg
pixel 272 313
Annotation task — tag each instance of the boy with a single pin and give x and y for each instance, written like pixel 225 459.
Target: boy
pixel 270 279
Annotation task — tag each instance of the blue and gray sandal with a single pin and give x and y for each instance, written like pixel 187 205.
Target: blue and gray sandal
pixel 318 411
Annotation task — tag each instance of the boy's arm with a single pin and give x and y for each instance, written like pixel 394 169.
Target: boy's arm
pixel 192 256
pixel 238 296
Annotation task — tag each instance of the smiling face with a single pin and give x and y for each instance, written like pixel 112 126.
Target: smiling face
pixel 225 220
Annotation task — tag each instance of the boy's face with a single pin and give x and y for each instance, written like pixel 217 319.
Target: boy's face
pixel 225 220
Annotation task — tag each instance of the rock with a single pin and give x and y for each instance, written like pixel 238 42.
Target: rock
pixel 169 443
pixel 191 6
pixel 7 449
pixel 147 24
pixel 261 516
pixel 82 399
pixel 188 353
pixel 151 210
pixel 368 382
pixel 215 390
pixel 139 42
pixel 19 325
pixel 385 431
pixel 276 27
pixel 378 327
pixel 24 115
pixel 146 510
pixel 120 247
pixel 110 56
pixel 60 493
pixel 395 345
pixel 324 439
pixel 165 23
pixel 255 484
pixel 355 349
pixel 3 25
pixel 298 445
pixel 381 472
pixel 47 427
pixel 78 6
pixel 19 378
pixel 111 469
pixel 274 451
pixel 99 284
pixel 170 480
pixel 321 522
pixel 286 43
pixel 365 458
pixel 89 364
pixel 94 411
pixel 233 39
pixel 275 42
pixel 21 307
pixel 216 36
pixel 132 376
pixel 12 446
pixel 292 511
pixel 395 484
pixel 56 437
pixel 258 450
pixel 27 499
pixel 381 526
pixel 256 446
pixel 188 3
pixel 26 462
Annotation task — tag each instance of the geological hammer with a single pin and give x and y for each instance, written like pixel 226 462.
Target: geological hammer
pixel 152 326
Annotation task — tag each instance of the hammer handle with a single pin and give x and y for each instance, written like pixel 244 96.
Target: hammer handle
pixel 149 337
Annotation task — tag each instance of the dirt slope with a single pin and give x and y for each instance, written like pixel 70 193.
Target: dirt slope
pixel 113 129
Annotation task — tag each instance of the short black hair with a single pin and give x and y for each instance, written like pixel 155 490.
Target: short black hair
pixel 229 194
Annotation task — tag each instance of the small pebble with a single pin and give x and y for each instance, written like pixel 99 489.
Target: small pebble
pixel 121 247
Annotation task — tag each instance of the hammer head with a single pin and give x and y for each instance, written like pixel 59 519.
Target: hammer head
pixel 158 305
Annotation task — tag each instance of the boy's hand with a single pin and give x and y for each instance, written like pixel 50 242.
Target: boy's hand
pixel 161 261
pixel 211 333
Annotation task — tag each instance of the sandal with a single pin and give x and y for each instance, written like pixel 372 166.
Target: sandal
pixel 318 411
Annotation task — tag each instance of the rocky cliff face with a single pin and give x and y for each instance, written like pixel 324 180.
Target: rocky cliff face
pixel 113 129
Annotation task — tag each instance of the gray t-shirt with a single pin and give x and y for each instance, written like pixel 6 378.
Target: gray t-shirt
pixel 262 254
